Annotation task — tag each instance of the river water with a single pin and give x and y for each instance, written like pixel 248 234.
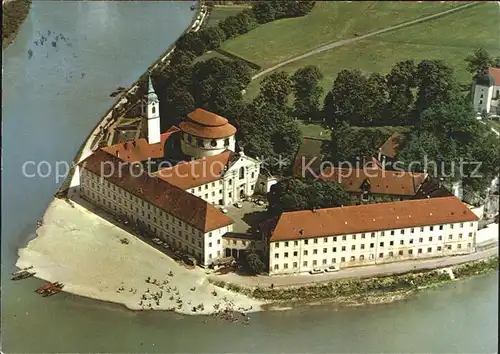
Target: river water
pixel 50 103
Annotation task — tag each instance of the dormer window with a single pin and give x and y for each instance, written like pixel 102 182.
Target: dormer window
pixel 226 142
pixel 200 142
pixel 213 143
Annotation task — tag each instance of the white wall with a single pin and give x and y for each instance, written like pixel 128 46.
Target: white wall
pixel 210 146
pixel 295 256
pixel 482 98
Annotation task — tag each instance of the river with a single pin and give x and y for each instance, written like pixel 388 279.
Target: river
pixel 51 102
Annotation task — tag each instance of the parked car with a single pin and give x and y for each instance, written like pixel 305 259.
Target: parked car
pixel 315 271
pixel 331 269
pixel 238 205
pixel 259 202
pixel 224 210
pixel 157 241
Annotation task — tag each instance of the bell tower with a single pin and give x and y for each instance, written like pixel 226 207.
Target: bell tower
pixel 152 113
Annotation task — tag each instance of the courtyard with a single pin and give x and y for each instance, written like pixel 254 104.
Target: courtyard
pixel 248 217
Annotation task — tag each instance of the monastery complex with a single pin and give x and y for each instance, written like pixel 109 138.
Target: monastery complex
pixel 175 185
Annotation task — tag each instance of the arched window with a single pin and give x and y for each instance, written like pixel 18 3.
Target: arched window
pixel 200 142
pixel 213 143
pixel 153 109
pixel 226 142
pixel 242 172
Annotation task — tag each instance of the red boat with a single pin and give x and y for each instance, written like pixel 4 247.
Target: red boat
pixel 50 289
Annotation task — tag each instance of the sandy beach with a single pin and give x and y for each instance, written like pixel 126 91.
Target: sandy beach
pixel 83 251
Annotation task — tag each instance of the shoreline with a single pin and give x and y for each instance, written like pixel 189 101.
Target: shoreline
pixel 21 9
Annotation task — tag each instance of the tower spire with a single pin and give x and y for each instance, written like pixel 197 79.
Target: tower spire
pixel 153 114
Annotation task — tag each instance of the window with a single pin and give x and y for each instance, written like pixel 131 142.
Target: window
pixel 372 245
pixel 324 261
pixel 459 246
pixel 353 247
pixel 306 242
pixel 353 237
pixel 448 247
pixel 450 237
pixel 363 236
pixel 304 263
pixel 226 142
pixel 353 258
pixel 315 262
pixel 419 250
pixel 461 224
pixel 411 241
pixel 381 244
pixel 305 252
pixel 218 242
pixel 470 234
pixel 324 250
pixel 430 239
pixel 342 259
pixel 286 254
pixel 295 243
pixel 440 227
pixel 400 253
pixel 391 243
pixel 334 260
pixel 335 239
pixel 451 226
pixel 429 249
pixel 295 253
pixel 459 235
pixel 295 264
pixel 344 238
pixel 315 251
pixel 380 255
pixel 421 239
pixel 315 240
pixel 440 238
pixel 422 229
pixel 276 255
pixel 343 248
pixel 402 231
pixel 276 267
pixel 234 242
pixel 199 141
pixel 362 246
pixel 410 252
pixel 285 265
pixel 392 232
pixel 334 249
pixel 213 143
pixel 362 258
pixel 242 172
pixel 439 248
pixel 381 234
pixel 253 175
pixel 402 242
pixel 412 230
pixel 469 245
pixel 230 182
pixel 391 254
pixel 472 224
pixel 276 245
pixel 286 243
pixel 210 244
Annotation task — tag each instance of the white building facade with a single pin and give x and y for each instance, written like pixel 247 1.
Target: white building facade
pixel 486 92
pixel 205 245
pixel 304 253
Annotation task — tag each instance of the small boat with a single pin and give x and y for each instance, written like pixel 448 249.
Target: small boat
pixel 22 275
pixel 52 288
pixel 193 6
pixel 22 270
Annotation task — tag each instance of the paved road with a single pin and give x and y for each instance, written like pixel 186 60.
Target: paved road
pixel 368 271
pixel 352 40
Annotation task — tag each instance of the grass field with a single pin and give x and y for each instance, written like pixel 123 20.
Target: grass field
pixel 279 40
pixel 314 130
pixel 450 38
pixel 220 13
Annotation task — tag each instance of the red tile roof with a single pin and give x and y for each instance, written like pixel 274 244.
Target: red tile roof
pixel 207 118
pixel 197 172
pixel 495 73
pixel 173 200
pixel 370 218
pixel 140 150
pixel 391 146
pixel 206 124
pixel 380 181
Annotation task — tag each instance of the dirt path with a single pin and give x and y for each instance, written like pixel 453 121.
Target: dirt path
pixel 340 43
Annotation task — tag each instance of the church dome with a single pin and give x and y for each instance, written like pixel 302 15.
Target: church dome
pixel 204 124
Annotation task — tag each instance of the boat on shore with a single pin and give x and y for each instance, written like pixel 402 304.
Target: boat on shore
pixel 193 6
pixel 22 274
pixel 49 289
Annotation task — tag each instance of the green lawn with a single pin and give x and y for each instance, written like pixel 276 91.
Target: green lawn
pixel 450 38
pixel 220 13
pixel 279 40
pixel 314 130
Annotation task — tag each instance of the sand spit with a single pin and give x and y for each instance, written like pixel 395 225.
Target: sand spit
pixel 83 251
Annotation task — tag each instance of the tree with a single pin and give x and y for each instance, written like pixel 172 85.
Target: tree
pixel 291 194
pixel 252 262
pixel 400 83
pixel 230 26
pixel 264 12
pixel 436 84
pixel 181 58
pixel 212 37
pixel 191 42
pixel 275 89
pixel 307 91
pixel 479 61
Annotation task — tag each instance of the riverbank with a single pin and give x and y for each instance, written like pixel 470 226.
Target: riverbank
pixel 363 291
pixel 14 14
pixel 81 246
